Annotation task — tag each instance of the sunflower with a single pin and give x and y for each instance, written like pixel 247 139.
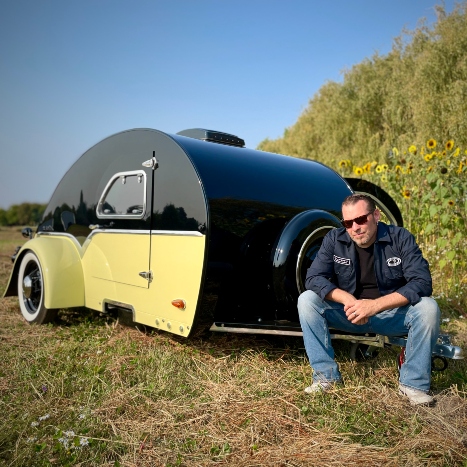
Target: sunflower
pixel 413 149
pixel 456 152
pixel 395 151
pixel 459 170
pixel 428 157
pixel 358 171
pixel 367 168
pixel 342 164
pixel 385 167
pixel 398 169
pixel 444 170
pixel 431 143
pixel 378 169
pixel 450 144
pixel 384 178
pixel 451 202
pixel 406 194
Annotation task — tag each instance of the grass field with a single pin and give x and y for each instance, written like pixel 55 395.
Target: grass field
pixel 89 391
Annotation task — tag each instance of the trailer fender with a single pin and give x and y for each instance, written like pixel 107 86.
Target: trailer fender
pixel 296 247
pixel 60 261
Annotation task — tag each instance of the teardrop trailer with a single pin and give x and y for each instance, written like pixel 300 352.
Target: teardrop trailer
pixel 155 224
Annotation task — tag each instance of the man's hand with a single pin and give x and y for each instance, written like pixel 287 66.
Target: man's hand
pixel 350 303
pixel 360 310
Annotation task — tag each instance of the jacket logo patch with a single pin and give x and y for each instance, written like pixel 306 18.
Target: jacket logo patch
pixel 393 261
pixel 339 260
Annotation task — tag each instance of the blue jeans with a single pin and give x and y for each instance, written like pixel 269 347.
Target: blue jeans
pixel 420 323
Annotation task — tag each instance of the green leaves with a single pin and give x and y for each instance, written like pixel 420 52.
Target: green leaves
pixel 433 210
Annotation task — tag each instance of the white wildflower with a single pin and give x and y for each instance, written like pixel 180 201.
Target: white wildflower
pixel 83 442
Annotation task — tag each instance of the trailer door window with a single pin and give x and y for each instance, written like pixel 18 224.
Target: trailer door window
pixel 124 196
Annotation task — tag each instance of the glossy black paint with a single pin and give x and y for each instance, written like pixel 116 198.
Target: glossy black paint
pixel 177 201
pixel 252 195
pixel 240 198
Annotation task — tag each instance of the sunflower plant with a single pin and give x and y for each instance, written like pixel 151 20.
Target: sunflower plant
pixel 429 184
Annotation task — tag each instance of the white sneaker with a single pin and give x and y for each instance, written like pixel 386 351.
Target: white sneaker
pixel 320 386
pixel 415 396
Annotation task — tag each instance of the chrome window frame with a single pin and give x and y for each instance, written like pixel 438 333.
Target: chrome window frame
pixel 105 192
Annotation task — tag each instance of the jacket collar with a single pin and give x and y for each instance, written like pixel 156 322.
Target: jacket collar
pixel 382 234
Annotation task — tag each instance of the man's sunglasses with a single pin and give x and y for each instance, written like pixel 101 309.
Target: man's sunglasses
pixel 358 220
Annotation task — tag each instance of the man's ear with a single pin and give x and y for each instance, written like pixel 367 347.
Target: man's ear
pixel 377 215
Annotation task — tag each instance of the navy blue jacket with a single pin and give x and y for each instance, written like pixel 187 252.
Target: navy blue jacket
pixel 399 264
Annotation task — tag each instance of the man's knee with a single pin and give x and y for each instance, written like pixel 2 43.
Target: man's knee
pixel 307 297
pixel 428 310
pixel 308 301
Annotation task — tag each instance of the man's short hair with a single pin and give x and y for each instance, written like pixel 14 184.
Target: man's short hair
pixel 356 197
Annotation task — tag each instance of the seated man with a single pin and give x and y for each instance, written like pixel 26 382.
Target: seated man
pixel 369 277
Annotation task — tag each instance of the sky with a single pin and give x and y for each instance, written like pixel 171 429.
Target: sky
pixel 73 72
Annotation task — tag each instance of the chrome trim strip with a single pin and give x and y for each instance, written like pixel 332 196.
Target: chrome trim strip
pixel 187 233
pixel 61 234
pixel 119 231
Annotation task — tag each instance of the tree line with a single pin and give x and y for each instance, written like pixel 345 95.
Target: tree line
pixel 415 92
pixel 22 214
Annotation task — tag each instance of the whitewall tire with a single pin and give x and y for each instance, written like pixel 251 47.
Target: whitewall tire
pixel 31 291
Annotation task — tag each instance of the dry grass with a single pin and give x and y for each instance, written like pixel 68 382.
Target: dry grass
pixel 151 399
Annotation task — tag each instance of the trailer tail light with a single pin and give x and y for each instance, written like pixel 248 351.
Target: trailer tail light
pixel 179 303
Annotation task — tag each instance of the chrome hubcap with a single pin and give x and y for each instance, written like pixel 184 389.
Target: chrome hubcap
pixel 32 288
pixel 27 286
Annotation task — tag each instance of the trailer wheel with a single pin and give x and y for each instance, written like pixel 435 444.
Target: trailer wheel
pixel 31 291
pixel 293 253
pixel 307 254
pixel 361 352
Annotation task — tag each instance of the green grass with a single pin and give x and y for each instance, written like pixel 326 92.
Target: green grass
pixel 89 391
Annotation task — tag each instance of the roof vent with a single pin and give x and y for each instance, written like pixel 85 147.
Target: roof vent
pixel 213 136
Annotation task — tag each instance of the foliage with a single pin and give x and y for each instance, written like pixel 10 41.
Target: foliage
pixel 429 183
pixel 22 214
pixel 417 89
